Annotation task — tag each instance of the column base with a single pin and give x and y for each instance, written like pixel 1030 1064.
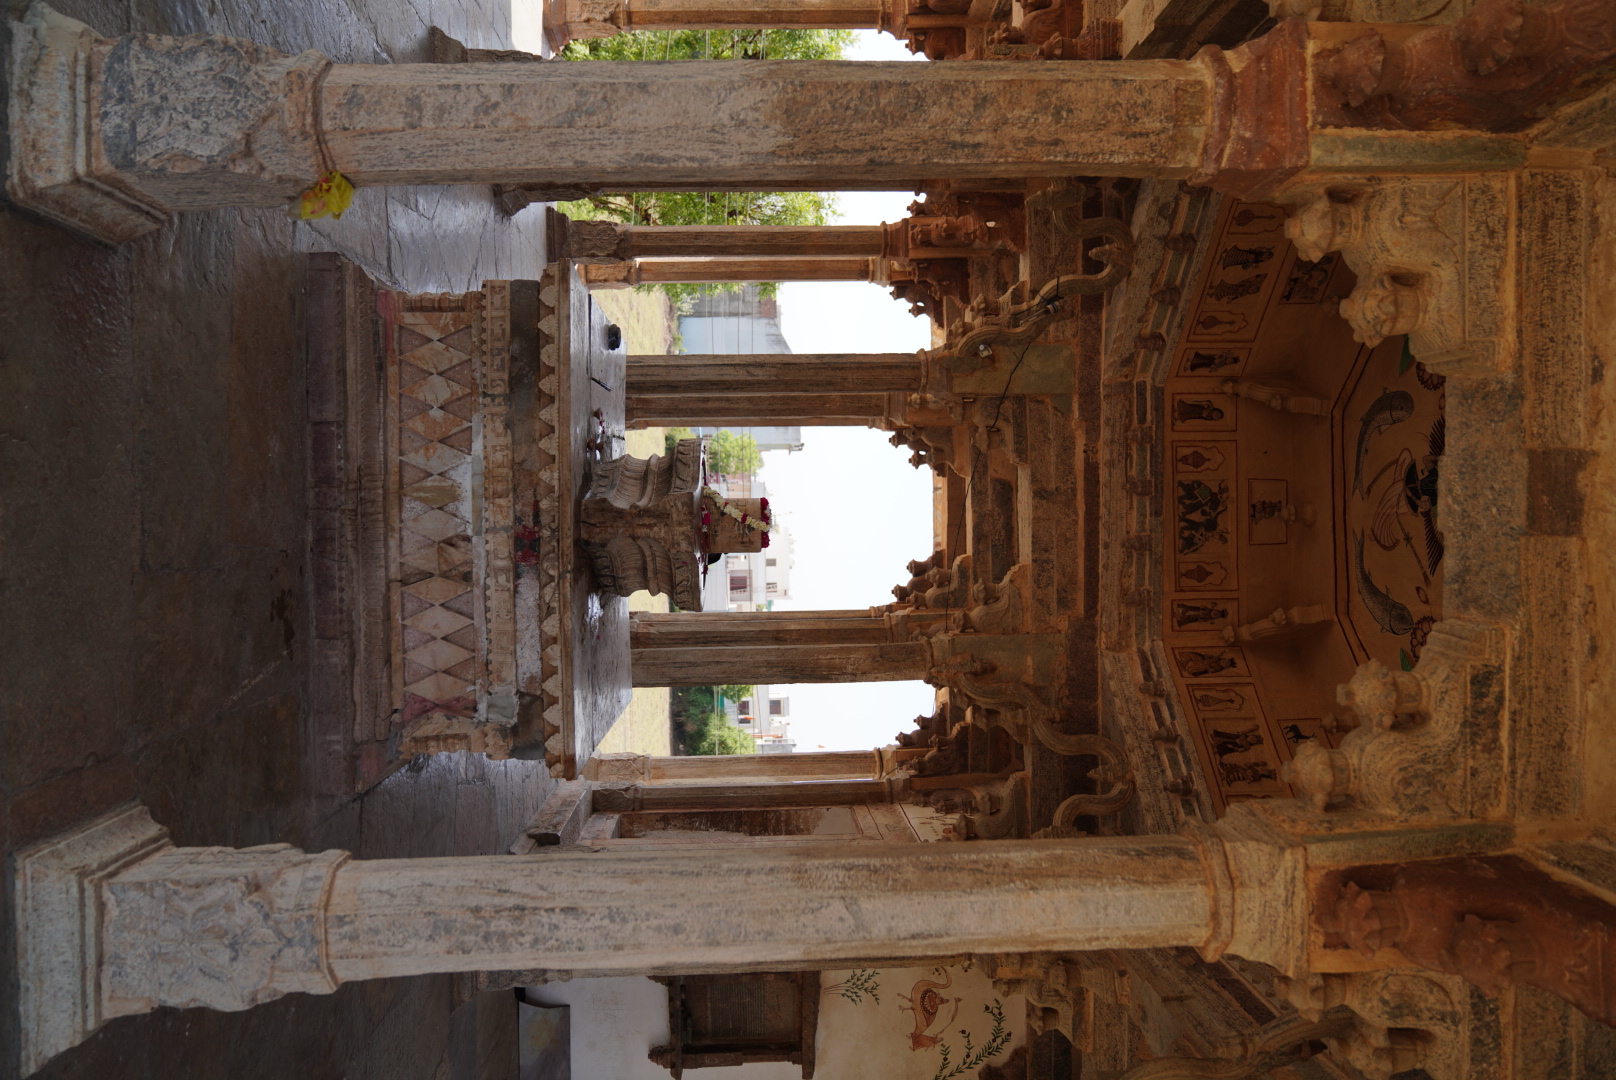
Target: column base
pixel 57 896
pixel 48 169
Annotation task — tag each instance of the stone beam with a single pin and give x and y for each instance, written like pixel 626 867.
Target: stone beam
pixel 818 663
pixel 692 629
pixel 739 271
pixel 113 920
pixel 764 410
pixel 707 374
pixel 813 764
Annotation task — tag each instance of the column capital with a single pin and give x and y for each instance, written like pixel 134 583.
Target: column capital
pixel 162 124
pixel 58 909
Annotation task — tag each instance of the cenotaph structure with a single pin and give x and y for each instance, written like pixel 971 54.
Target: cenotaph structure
pixel 1263 609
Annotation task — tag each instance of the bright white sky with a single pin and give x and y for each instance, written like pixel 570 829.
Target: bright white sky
pixel 856 509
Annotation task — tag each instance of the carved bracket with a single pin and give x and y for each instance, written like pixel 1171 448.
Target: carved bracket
pixel 1434 260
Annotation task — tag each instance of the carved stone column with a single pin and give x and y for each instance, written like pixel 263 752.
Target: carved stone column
pixel 715 665
pixel 685 629
pixel 112 919
pixel 110 135
pixel 818 765
pixel 757 410
pixel 610 241
pixel 706 374
pixel 727 794
pixel 698 271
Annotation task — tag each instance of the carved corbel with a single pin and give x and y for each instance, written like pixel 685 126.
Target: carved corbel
pixel 578 20
pixel 1017 698
pixel 1001 608
pixel 1115 772
pixel 945 588
pixel 928 730
pixel 1000 809
pixel 1410 757
pixel 1431 259
pixel 1052 984
pixel 927 234
pixel 1388 1007
pixel 933 446
pixel 925 283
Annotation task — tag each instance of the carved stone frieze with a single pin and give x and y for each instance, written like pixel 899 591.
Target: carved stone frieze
pixel 1499 68
pixel 1434 259
pixel 1496 923
pixel 1415 727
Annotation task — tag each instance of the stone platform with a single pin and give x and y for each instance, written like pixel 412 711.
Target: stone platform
pixel 447 485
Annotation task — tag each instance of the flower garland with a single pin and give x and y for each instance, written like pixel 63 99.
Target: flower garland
pixel 712 500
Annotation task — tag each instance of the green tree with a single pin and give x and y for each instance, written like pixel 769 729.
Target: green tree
pixel 713 45
pixel 707 207
pixel 672 436
pixel 736 692
pixel 733 455
pixel 710 732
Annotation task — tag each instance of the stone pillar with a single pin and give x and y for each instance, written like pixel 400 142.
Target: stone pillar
pixel 114 920
pixel 708 375
pixel 811 765
pixel 730 795
pixel 819 663
pixel 740 271
pixel 616 242
pixel 756 410
pixel 685 629
pixel 110 135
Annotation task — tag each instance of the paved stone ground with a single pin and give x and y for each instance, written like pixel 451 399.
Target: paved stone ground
pixel 152 597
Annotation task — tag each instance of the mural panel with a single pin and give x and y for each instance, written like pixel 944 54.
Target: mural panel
pixel 929 1023
pixel 1393 434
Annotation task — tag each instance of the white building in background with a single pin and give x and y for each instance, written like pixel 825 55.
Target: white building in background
pixel 741 321
pixel 766 716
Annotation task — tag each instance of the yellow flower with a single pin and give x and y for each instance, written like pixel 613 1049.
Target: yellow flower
pixel 328 198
